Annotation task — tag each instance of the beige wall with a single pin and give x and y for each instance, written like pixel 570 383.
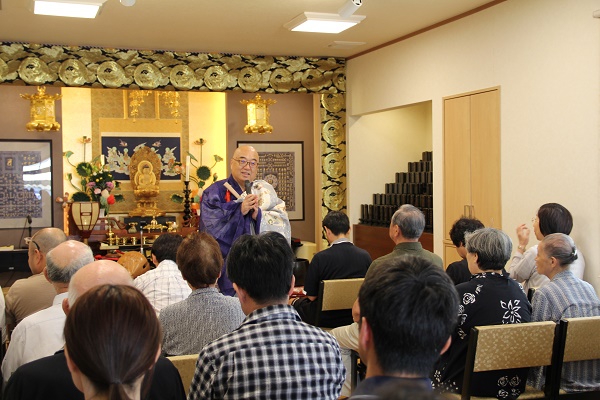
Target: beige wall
pixel 545 56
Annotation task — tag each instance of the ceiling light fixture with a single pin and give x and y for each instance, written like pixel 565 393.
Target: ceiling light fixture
pixel 322 22
pixel 68 8
pixel 127 3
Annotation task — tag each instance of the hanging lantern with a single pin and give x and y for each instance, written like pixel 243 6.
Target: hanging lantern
pixel 258 115
pixel 42 110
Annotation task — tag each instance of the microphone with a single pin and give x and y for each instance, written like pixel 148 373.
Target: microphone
pixel 248 186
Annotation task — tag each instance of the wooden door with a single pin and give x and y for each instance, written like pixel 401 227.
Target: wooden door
pixel 457 160
pixel 485 158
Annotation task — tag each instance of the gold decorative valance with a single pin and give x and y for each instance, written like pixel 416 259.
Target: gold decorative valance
pixel 35 64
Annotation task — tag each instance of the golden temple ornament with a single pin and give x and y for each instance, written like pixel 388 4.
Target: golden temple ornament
pixel 258 115
pixel 42 110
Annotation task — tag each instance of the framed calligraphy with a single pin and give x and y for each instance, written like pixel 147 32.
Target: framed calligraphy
pixel 282 165
pixel 25 183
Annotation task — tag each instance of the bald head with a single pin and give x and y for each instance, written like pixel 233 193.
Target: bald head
pixel 41 243
pixel 247 154
pixel 101 272
pixel 65 259
pixel 48 238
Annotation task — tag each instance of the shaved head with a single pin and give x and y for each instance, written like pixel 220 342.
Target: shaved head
pixel 239 173
pixel 98 273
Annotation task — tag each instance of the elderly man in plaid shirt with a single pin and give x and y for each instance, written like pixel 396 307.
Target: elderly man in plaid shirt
pixel 273 354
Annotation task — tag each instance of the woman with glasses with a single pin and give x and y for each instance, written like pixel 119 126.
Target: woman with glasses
pixel 550 218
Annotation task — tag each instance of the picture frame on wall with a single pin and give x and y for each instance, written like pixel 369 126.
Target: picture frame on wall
pixel 26 184
pixel 282 165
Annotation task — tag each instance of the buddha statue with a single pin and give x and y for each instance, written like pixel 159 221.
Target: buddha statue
pixel 144 171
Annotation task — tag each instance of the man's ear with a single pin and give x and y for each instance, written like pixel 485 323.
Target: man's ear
pixel 46 274
pixel 241 293
pixel 292 286
pixel 446 345
pixel 65 306
pixel 365 337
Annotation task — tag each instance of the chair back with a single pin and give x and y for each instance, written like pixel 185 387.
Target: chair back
pixel 499 347
pixel 337 294
pixel 582 339
pixel 581 342
pixel 186 365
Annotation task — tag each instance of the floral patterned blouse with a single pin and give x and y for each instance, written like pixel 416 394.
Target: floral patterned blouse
pixel 487 299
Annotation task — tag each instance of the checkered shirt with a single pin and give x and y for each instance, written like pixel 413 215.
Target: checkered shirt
pixel 272 355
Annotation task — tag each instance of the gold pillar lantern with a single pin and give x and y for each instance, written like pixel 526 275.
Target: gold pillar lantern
pixel 85 215
pixel 42 110
pixel 258 115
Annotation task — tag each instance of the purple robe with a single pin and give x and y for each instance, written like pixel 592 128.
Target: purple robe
pixel 224 221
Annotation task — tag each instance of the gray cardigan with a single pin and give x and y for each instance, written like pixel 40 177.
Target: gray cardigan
pixel 196 321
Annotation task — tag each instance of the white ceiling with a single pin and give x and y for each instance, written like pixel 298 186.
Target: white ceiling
pixel 252 27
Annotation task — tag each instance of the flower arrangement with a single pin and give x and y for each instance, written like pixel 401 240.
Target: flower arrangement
pixel 96 182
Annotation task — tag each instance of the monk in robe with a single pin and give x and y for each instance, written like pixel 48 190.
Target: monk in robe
pixel 227 211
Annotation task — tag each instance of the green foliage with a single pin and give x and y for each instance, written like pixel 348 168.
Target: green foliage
pixel 84 169
pixel 81 196
pixel 177 198
pixel 203 173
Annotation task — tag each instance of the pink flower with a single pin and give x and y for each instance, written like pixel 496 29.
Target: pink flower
pixel 91 184
pixel 97 191
pixel 110 185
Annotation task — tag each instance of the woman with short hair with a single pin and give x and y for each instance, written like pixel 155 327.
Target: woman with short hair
pixel 550 218
pixel 565 296
pixel 491 297
pixel 112 341
pixel 206 314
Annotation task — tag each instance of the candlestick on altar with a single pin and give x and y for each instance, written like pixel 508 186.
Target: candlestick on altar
pixel 187 215
pixel 187 169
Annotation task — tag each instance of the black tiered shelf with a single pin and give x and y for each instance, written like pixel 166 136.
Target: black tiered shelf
pixel 413 187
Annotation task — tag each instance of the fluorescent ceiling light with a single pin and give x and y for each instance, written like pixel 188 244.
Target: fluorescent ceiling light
pixel 68 8
pixel 322 22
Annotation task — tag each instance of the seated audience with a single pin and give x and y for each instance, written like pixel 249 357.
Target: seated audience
pixel 112 341
pixel 51 374
pixel 565 296
pixel 550 218
pixel 489 298
pixel 340 261
pixel 40 334
pixel 459 270
pixel 27 296
pixel 407 316
pixel 273 354
pixel 206 314
pixel 164 285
